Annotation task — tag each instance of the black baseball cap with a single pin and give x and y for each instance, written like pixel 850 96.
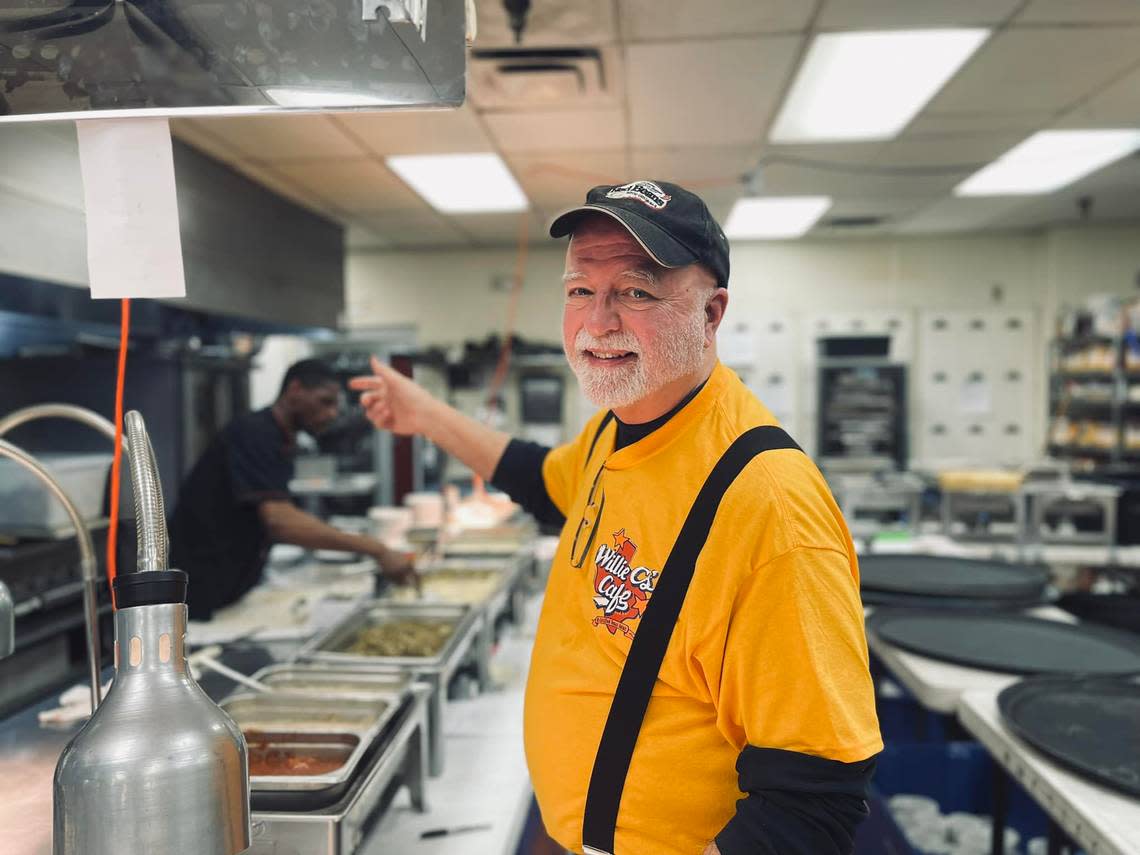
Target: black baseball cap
pixel 671 223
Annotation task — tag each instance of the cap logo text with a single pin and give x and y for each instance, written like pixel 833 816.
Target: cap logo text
pixel 646 192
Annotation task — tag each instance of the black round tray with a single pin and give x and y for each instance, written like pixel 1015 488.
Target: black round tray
pixel 887 599
pixel 944 576
pixel 1009 643
pixel 1091 727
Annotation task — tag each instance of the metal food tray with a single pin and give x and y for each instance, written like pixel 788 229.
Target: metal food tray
pixel 363 719
pixel 480 555
pixel 498 597
pixel 436 670
pixel 468 548
pixel 499 600
pixel 341 683
pixel 339 827
pixel 327 646
pixel 353 748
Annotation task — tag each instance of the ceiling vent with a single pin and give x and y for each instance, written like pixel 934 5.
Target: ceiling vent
pixel 536 78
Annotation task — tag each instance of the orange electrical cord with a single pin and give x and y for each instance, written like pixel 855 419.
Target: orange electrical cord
pixel 116 465
pixel 504 363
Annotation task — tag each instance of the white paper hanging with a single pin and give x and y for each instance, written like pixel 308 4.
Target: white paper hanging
pixel 133 244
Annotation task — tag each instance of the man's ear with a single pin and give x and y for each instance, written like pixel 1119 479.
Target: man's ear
pixel 715 308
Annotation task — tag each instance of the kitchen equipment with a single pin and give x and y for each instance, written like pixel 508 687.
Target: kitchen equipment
pixel 158 767
pixel 297 679
pixel 279 711
pixel 27 511
pixel 87 561
pixel 982 505
pixel 872 503
pixel 301 822
pixel 304 743
pixel 1008 643
pixel 465 638
pixel 1087 725
pixel 427 509
pixel 1064 511
pixel 7 622
pixel 940 577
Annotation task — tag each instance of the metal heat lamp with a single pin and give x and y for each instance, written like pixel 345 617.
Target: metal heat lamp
pixel 158 767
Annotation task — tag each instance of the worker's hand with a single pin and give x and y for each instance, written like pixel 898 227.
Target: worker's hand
pixel 398 567
pixel 711 849
pixel 392 401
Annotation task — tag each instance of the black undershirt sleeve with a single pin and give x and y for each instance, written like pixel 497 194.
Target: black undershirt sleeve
pixel 519 475
pixel 797 804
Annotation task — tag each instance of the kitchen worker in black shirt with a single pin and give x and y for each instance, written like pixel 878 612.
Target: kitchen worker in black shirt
pixel 235 503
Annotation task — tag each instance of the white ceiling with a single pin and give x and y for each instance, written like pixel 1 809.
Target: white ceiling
pixel 690 89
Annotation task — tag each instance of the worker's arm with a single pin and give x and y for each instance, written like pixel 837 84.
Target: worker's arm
pixel 396 403
pixel 793 691
pixel 287 523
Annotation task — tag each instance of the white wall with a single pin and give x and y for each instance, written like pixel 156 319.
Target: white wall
pixel 448 295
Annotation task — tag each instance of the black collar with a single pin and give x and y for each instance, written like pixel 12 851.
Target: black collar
pixel 629 434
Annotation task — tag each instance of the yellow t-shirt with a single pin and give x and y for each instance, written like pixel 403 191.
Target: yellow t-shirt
pixel 768 650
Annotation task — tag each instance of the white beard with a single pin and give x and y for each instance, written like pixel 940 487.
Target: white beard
pixel 677 354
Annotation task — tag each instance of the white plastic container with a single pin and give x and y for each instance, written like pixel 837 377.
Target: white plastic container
pixel 427 509
pixel 28 509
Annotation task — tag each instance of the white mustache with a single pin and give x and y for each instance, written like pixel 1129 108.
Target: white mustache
pixel 620 341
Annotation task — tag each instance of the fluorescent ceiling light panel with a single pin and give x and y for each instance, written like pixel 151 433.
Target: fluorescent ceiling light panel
pixel 869 85
pixel 775 217
pixel 1048 161
pixel 461 183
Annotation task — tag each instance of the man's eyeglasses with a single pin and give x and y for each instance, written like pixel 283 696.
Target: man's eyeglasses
pixel 588 526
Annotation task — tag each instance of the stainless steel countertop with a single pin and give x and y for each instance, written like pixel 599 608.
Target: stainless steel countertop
pixel 28 754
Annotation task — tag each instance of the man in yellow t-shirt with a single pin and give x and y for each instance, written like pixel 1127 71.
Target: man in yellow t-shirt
pixel 757 733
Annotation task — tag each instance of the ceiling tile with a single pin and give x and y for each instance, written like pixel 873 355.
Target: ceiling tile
pixel 353 186
pixel 286 187
pixel 548 23
pixel 891 208
pixel 956 214
pixel 416 131
pixel 906 14
pixel 554 181
pixel 413 229
pixel 1117 105
pixel 501 229
pixel 1043 69
pixel 953 155
pixel 1084 12
pixel 696 167
pixel 707 92
pixel 1109 195
pixel 951 124
pixel 650 20
pixel 824 154
pixel 278 137
pixel 557 130
pixel 802 179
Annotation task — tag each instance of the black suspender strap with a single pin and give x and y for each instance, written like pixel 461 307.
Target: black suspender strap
pixel 606 419
pixel 631 699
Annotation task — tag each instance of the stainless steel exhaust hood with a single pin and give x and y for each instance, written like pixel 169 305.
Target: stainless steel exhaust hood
pixel 107 58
